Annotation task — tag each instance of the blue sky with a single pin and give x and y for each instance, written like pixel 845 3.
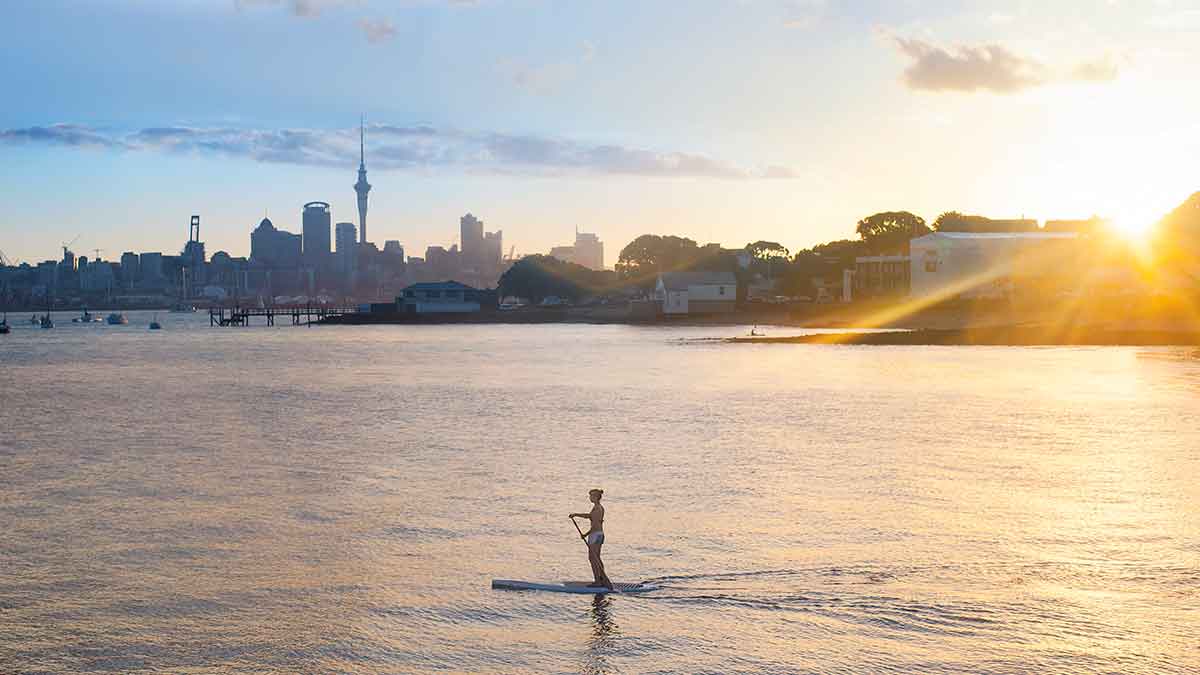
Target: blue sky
pixel 722 120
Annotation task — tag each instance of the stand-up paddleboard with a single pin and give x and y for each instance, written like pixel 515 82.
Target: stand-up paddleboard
pixel 581 587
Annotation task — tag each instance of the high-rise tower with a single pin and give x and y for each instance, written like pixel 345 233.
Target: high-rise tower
pixel 362 187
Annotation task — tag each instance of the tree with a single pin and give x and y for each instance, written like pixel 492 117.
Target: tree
pixel 539 276
pixel 767 250
pixel 950 221
pixel 644 258
pixel 1177 235
pixel 890 231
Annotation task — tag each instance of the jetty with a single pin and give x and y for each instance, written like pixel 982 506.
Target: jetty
pixel 299 315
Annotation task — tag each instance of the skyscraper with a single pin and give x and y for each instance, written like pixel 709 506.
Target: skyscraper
pixel 315 229
pixel 362 187
pixel 471 229
pixel 589 250
pixel 345 239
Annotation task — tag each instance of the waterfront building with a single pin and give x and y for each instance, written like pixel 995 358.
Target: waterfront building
pixel 129 269
pixel 273 247
pixel 441 297
pixel 362 187
pixel 684 293
pixel 563 253
pixel 882 275
pixel 315 229
pixel 946 265
pixel 151 267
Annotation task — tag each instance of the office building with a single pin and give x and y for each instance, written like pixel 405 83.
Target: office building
pixel 315 228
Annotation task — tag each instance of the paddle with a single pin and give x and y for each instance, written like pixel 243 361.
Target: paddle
pixel 578 530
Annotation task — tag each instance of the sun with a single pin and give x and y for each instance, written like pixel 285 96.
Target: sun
pixel 1133 223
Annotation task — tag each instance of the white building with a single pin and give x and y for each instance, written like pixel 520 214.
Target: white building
pixel 991 264
pixel 696 292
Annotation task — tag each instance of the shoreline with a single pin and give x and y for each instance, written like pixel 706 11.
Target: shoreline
pixel 1005 336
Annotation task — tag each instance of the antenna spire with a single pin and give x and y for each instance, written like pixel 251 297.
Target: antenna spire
pixel 362 147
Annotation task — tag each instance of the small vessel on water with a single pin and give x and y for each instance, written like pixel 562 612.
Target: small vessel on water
pixel 86 317
pixel 117 319
pixel 4 329
pixel 154 324
pixel 46 321
pixel 183 307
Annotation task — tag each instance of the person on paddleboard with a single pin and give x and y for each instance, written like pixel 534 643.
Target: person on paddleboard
pixel 595 538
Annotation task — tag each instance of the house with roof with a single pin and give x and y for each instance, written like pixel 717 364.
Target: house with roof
pixel 690 293
pixel 440 297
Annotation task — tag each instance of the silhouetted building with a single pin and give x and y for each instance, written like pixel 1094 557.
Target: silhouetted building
pixel 471 231
pixel 362 187
pixel 272 247
pixel 491 250
pixel 442 297
pixel 129 269
pixel 152 271
pixel 589 251
pixel 392 247
pixel 315 228
pixel 345 238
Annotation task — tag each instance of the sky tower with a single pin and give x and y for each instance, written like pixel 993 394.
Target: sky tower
pixel 362 187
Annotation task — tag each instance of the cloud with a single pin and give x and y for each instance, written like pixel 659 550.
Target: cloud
pixel 377 30
pixel 1103 69
pixel 804 13
pixel 61 134
pixel 417 147
pixel 302 8
pixel 992 67
pixel 546 78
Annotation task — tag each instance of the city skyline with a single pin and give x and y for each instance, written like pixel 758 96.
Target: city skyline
pixel 928 108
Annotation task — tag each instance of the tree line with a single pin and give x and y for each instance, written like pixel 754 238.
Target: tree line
pixel 642 260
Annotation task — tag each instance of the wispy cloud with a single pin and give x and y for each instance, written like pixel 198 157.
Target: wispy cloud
pixel 377 30
pixel 302 8
pixel 991 67
pixel 403 147
pixel 546 78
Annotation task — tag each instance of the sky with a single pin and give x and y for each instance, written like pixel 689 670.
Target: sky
pixel 725 121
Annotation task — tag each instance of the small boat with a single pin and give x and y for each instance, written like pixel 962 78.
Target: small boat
pixel 4 329
pixel 117 319
pixel 86 317
pixel 34 320
pixel 154 324
pixel 182 307
pixel 46 321
pixel 754 332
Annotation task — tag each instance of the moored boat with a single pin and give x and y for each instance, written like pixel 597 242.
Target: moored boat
pixel 117 319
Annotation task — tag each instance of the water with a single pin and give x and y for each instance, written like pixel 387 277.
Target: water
pixel 338 500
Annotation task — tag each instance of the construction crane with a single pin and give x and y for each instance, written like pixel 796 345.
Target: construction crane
pixel 97 250
pixel 511 251
pixel 67 245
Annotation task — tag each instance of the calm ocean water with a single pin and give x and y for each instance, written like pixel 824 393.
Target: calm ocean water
pixel 310 500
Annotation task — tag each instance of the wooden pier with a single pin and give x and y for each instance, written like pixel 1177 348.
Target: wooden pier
pixel 307 315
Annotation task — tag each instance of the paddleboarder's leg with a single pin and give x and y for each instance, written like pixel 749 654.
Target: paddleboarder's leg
pixel 598 573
